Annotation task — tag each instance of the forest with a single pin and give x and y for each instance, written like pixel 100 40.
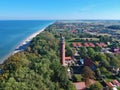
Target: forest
pixel 36 68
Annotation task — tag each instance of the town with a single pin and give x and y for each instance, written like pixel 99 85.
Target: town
pixel 67 55
pixel 91 53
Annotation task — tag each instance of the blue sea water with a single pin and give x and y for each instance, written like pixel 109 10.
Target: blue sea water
pixel 13 32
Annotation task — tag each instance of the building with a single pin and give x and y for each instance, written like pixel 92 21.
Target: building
pixel 80 85
pixel 88 62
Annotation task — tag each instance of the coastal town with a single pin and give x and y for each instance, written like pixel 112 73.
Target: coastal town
pixel 83 52
pixel 59 44
pixel 67 55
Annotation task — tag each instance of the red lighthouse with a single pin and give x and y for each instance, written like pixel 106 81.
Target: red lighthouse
pixel 62 50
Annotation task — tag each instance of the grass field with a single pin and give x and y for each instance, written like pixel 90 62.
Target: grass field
pixel 86 39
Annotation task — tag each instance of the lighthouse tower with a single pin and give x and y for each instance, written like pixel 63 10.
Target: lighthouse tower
pixel 62 50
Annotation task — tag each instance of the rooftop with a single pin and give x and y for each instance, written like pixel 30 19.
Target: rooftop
pixel 80 85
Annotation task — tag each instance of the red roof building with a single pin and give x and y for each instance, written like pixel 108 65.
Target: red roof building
pixel 115 82
pixel 74 44
pixel 73 31
pixel 103 44
pixel 110 84
pixel 91 45
pixel 86 44
pixel 80 85
pixel 68 58
pixel 92 81
pixel 99 45
pixel 79 45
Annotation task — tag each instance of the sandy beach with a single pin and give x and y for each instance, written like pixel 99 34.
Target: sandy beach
pixel 22 46
pixel 25 43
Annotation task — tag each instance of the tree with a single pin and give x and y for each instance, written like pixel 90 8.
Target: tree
pixel 77 78
pixel 105 38
pixel 114 61
pixel 68 52
pixel 96 86
pixel 98 73
pixel 88 73
pixel 118 88
pixel 98 49
pixel 70 86
pixel 91 52
pixel 83 52
pixel 102 58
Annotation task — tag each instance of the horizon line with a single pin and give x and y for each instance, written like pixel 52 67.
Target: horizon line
pixel 57 19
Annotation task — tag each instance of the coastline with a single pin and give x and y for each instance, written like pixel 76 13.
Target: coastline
pixel 25 43
pixel 22 46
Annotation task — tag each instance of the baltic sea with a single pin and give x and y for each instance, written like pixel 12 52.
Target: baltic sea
pixel 13 32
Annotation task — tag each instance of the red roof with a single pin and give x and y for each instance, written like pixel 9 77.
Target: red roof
pixel 103 44
pixel 116 82
pixel 68 58
pixel 74 44
pixel 92 81
pixel 80 85
pixel 86 44
pixel 79 45
pixel 110 84
pixel 98 44
pixel 73 31
pixel 91 45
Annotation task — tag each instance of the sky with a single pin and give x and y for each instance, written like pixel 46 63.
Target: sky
pixel 59 9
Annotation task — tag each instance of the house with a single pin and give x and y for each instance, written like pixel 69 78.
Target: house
pixel 97 44
pixel 68 60
pixel 92 81
pixel 115 82
pixel 86 44
pixel 79 45
pixel 73 31
pixel 74 44
pixel 91 45
pixel 80 85
pixel 110 85
pixel 103 44
pixel 88 62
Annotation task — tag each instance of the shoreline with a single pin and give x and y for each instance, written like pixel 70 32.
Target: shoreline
pixel 22 46
pixel 25 43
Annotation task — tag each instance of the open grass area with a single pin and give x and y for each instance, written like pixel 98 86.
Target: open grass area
pixel 85 39
pixel 104 34
pixel 92 39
